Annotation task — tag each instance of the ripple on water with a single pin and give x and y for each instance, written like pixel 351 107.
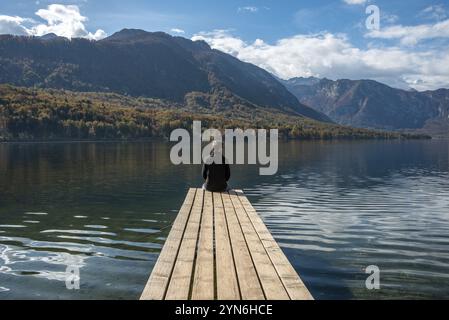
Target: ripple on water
pixel 88 232
pixel 12 226
pixel 331 227
pixel 95 226
pixel 148 245
pixel 142 230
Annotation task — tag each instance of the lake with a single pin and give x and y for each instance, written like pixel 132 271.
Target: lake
pixel 334 207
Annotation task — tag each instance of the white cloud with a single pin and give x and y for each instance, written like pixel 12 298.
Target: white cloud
pixel 354 2
pixel 389 18
pixel 334 57
pixel 411 35
pixel 434 12
pixel 248 9
pixel 98 35
pixel 177 30
pixel 62 20
pixel 12 25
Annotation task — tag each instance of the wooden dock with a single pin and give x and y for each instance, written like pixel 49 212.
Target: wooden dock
pixel 219 248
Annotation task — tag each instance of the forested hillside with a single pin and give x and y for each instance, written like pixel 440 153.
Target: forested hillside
pixel 47 114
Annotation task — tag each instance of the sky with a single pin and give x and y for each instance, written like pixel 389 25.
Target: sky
pixel 407 48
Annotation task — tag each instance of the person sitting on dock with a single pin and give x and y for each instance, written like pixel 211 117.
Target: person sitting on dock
pixel 216 175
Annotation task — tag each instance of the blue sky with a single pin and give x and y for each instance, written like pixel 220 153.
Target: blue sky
pixel 288 38
pixel 272 20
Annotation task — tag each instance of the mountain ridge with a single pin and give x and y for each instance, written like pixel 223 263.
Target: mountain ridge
pixel 374 105
pixel 139 63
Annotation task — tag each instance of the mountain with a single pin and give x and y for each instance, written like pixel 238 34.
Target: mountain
pixel 148 64
pixel 301 81
pixel 50 36
pixel 370 104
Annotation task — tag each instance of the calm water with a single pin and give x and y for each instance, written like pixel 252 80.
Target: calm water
pixel 335 208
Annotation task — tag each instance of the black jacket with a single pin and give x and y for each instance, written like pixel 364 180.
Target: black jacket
pixel 216 176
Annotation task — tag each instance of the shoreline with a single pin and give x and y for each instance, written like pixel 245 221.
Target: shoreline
pixel 80 141
pixel 161 139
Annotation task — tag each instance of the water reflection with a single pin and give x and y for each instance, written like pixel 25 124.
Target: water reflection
pixel 335 208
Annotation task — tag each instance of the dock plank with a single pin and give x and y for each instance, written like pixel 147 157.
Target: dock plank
pixel 250 287
pixel 203 283
pixel 158 282
pixel 227 285
pixel 271 283
pixel 179 287
pixel 290 278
